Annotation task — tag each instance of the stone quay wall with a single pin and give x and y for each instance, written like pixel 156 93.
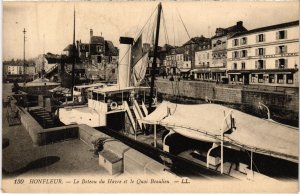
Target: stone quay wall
pixel 283 102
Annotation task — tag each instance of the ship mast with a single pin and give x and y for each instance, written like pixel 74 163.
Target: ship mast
pixel 154 64
pixel 24 63
pixel 74 59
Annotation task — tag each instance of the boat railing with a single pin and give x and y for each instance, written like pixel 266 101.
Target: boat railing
pixel 260 104
pixel 129 115
pixel 144 108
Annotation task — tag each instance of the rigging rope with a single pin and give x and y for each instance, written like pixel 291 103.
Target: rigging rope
pixel 183 24
pixel 165 27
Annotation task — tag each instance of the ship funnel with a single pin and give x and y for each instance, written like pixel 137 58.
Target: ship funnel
pixel 124 61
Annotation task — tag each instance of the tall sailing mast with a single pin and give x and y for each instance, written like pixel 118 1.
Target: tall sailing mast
pixel 154 64
pixel 24 63
pixel 74 58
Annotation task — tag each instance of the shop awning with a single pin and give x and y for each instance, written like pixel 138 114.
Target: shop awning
pixel 184 70
pixel 289 70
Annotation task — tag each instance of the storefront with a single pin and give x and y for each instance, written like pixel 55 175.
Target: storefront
pixel 273 77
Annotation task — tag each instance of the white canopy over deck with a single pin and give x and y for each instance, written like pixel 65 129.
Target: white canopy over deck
pixel 204 123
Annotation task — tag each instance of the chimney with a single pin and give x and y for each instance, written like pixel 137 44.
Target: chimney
pixel 239 24
pixel 91 33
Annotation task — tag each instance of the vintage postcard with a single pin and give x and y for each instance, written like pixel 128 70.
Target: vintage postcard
pixel 149 96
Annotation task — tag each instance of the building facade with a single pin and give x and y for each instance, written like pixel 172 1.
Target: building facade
pixel 16 67
pixel 219 48
pixel 203 62
pixel 191 46
pixel 265 56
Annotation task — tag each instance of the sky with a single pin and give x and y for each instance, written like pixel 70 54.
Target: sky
pixel 49 25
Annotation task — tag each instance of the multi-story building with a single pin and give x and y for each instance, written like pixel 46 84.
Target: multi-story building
pixel 16 67
pixel 191 46
pixel 177 61
pixel 265 56
pixel 97 51
pixel 219 48
pixel 203 62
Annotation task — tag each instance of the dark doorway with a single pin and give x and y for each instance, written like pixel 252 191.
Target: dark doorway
pixel 246 78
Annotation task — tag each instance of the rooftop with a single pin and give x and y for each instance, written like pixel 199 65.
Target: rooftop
pixel 230 30
pixel 266 28
pixel 197 40
pixel 97 40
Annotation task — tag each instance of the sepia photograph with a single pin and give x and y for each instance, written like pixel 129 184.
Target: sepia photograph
pixel 150 96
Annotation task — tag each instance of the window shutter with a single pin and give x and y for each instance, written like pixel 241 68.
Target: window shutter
pixel 285 34
pixel 256 52
pixel 285 63
pixel 276 63
pixel 277 35
pixel 264 64
pixel 233 42
pixel 276 50
pixel 256 38
pixel 256 64
pixel 264 37
pixel 264 51
pixel 285 49
pixel 233 55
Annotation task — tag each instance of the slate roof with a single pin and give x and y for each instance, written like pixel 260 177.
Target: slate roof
pixel 69 47
pixel 266 28
pixel 97 40
pixel 110 49
pixel 198 40
pixel 232 30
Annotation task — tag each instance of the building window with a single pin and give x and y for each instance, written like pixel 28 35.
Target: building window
pixel 235 42
pixel 232 78
pixel 99 48
pixel 281 34
pixel 260 64
pixel 289 78
pixel 281 49
pixel 244 41
pixel 260 51
pixel 234 66
pixel 235 54
pixel 260 38
pixel 271 78
pixel 243 65
pixel 240 78
pixel 260 78
pixel 280 78
pixel 281 63
pixel 253 78
pixel 98 59
pixel 244 53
